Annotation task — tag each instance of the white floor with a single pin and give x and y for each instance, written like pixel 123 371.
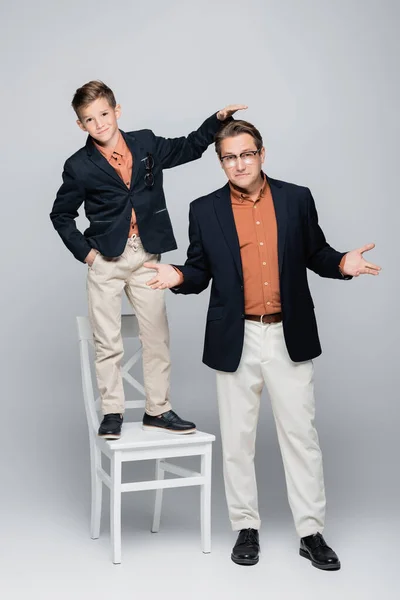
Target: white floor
pixel 48 555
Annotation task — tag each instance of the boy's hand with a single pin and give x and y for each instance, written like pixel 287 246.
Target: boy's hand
pixel 166 277
pixel 90 257
pixel 229 110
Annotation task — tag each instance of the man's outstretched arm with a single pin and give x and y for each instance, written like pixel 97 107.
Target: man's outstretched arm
pixel 191 278
pixel 327 262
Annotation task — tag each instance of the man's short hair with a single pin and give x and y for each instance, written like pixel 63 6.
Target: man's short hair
pixel 234 128
pixel 90 92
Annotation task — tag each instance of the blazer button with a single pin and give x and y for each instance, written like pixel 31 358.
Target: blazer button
pixel 242 287
pixel 242 316
pixel 128 218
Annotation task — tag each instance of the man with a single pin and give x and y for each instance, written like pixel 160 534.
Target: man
pixel 118 177
pixel 255 238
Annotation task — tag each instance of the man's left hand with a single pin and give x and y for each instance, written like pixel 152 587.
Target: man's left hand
pixel 229 110
pixel 355 264
pixel 166 276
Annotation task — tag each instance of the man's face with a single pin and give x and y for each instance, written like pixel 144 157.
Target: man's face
pixel 99 120
pixel 243 172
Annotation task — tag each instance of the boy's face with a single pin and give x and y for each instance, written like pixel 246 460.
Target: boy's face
pixel 100 121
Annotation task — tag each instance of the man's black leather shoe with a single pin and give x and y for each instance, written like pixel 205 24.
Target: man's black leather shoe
pixel 247 548
pixel 168 421
pixel 110 427
pixel 318 552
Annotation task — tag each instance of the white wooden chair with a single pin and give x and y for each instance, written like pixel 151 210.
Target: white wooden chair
pixel 136 444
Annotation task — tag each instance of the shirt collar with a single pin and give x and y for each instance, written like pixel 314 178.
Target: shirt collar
pixel 120 148
pixel 238 196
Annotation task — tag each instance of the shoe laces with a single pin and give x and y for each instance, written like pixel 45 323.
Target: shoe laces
pixel 250 536
pixel 319 541
pixel 112 417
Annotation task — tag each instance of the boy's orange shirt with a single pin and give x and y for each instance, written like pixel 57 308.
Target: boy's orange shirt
pixel 121 160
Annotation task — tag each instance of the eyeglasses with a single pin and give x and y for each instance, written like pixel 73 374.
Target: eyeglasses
pixel 248 158
pixel 149 164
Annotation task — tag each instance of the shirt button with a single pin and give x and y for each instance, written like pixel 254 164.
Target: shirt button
pixel 257 222
pixel 265 282
pixel 268 303
pixel 261 243
pixel 264 263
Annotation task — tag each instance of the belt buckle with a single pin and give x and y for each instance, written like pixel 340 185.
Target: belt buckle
pixel 261 319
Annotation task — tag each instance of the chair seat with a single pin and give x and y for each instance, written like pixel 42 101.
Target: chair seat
pixel 133 436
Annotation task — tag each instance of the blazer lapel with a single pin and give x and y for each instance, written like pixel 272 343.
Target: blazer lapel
pixel 96 157
pixel 223 209
pixel 280 205
pixel 138 153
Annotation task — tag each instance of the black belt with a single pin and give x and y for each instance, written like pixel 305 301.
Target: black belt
pixel 275 318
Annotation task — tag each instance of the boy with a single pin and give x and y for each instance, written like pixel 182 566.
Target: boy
pixel 118 178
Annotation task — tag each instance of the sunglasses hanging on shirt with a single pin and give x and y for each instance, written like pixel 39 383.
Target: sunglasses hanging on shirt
pixel 149 164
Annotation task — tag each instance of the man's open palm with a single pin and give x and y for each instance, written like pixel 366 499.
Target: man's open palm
pixel 355 264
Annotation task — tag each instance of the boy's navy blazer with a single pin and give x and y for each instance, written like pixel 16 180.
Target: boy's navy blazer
pixel 214 254
pixel 90 180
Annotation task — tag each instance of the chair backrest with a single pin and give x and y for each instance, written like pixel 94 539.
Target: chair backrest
pixel 129 329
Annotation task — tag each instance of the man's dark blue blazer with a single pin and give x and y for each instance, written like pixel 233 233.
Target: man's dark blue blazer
pixel 90 180
pixel 214 253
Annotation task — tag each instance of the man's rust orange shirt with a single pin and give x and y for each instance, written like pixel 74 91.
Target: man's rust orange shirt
pixel 257 231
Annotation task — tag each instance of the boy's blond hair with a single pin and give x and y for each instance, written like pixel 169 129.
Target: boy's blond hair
pixel 90 92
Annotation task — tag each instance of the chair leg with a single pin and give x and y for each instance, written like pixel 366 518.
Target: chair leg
pixel 97 491
pixel 205 501
pixel 158 498
pixel 115 507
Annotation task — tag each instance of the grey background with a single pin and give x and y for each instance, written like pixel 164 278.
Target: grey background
pixel 321 81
